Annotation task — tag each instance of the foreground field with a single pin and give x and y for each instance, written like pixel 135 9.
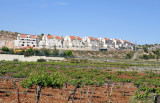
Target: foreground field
pixel 78 82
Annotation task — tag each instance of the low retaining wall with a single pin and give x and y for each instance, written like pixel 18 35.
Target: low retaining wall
pixel 22 58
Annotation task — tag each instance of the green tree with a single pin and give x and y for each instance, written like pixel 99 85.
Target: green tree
pixel 42 34
pixel 30 50
pixel 156 52
pixel 145 49
pixel 55 51
pixel 68 53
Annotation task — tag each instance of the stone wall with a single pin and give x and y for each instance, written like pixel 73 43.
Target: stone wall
pixel 8 57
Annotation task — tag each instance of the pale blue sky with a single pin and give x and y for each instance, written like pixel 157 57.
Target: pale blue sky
pixel 137 21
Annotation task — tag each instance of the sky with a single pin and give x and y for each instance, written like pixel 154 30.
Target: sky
pixel 137 21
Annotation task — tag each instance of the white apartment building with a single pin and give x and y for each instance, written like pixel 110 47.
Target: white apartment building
pixel 127 44
pixel 91 42
pixel 26 40
pixel 117 43
pixel 49 41
pixel 106 43
pixel 73 41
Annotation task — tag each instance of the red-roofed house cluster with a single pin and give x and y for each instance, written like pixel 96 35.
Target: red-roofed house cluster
pixel 50 42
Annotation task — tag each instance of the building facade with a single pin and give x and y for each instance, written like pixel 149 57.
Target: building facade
pixel 73 41
pixel 91 42
pixel 127 44
pixel 106 43
pixel 26 40
pixel 50 42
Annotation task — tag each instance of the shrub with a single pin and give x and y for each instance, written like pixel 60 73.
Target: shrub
pixel 55 52
pixel 45 52
pixel 150 56
pixel 41 60
pixel 15 60
pixel 5 49
pixel 128 56
pixel 27 54
pixel 145 49
pixel 68 53
pixel 11 51
pixel 36 52
pixel 118 87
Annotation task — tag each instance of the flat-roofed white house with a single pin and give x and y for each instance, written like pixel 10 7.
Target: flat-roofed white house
pixel 106 43
pixel 24 40
pixel 73 41
pixel 91 42
pixel 49 41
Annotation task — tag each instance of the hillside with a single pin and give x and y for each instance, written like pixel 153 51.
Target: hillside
pixel 8 35
pixel 105 54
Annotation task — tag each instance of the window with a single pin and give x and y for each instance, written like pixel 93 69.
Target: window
pixel 22 45
pixel 33 45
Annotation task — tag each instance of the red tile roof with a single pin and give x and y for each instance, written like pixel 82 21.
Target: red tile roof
pixel 58 37
pixel 116 40
pixel 125 40
pixel 23 36
pixel 129 42
pixel 49 36
pixel 106 39
pixel 33 36
pixel 79 38
pixel 91 38
pixel 97 39
pixel 72 37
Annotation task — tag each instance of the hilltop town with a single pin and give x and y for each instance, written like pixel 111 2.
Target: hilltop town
pixel 18 40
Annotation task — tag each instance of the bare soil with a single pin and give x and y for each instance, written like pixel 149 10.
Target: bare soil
pixel 8 94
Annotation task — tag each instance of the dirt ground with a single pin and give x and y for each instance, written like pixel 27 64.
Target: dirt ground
pixel 8 94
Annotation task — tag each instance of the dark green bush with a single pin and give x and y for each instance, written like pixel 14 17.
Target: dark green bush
pixel 15 60
pixel 68 53
pixel 41 60
pixel 128 56
pixel 5 49
pixel 150 56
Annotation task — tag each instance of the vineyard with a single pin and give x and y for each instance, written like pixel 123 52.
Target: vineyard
pixel 77 82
